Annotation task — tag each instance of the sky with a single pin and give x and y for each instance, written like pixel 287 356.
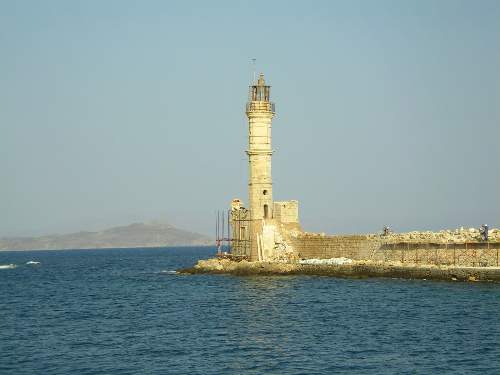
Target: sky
pixel 114 112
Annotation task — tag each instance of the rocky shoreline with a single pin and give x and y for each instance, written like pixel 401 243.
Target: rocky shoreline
pixel 356 269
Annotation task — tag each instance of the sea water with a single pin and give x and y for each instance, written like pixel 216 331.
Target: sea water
pixel 125 311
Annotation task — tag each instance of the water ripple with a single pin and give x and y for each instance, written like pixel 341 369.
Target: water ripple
pixel 125 311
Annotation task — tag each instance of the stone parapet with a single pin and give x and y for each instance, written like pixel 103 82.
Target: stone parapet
pixel 324 247
pixel 461 235
pixel 401 248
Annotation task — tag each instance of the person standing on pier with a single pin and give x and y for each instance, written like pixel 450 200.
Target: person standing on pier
pixel 484 232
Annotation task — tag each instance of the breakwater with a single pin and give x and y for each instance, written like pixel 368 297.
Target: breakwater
pixel 380 249
pixel 355 269
pixel 461 247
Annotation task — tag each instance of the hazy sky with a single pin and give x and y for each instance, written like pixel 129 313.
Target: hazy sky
pixel 111 112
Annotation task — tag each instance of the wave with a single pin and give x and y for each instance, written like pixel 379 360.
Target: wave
pixel 7 266
pixel 168 272
pixel 331 261
pixel 32 262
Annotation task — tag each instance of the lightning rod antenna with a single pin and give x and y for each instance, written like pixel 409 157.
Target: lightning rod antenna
pixel 253 68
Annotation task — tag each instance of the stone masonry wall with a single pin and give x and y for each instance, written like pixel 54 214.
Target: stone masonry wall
pixel 379 249
pixel 469 254
pixel 286 212
pixel 356 247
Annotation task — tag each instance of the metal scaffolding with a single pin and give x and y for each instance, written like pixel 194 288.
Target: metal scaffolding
pixel 232 233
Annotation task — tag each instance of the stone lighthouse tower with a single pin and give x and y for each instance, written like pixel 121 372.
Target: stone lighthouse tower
pixel 260 112
pixel 259 231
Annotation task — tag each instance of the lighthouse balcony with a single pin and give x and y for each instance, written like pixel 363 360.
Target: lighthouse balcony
pixel 260 106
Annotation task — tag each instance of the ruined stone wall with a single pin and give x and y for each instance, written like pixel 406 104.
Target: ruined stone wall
pixel 383 249
pixel 461 235
pixel 469 254
pixel 287 211
pixel 240 229
pixel 356 247
pixel 277 241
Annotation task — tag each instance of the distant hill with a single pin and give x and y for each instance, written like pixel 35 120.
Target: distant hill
pixel 133 235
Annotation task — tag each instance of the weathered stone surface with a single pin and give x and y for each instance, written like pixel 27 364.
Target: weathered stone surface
pixel 356 269
pixel 286 211
pixel 260 112
pixel 270 231
pixel 444 236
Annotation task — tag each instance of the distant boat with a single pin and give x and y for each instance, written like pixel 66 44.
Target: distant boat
pixel 32 262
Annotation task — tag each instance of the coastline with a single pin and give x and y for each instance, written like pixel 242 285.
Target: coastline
pixel 103 248
pixel 356 269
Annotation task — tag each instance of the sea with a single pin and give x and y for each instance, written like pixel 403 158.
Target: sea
pixel 126 311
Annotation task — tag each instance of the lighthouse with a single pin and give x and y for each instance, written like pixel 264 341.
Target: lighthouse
pixel 260 112
pixel 257 230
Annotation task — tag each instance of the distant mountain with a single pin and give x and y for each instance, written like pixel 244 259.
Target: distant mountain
pixel 133 235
